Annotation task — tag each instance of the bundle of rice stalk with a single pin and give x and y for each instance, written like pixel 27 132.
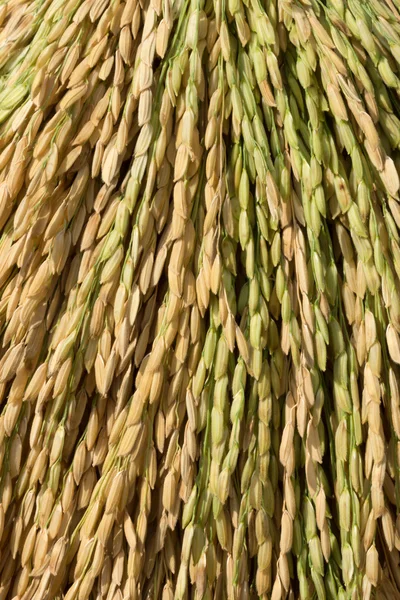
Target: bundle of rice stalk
pixel 199 300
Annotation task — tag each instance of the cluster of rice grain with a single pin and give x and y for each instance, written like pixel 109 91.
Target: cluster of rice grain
pixel 199 299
